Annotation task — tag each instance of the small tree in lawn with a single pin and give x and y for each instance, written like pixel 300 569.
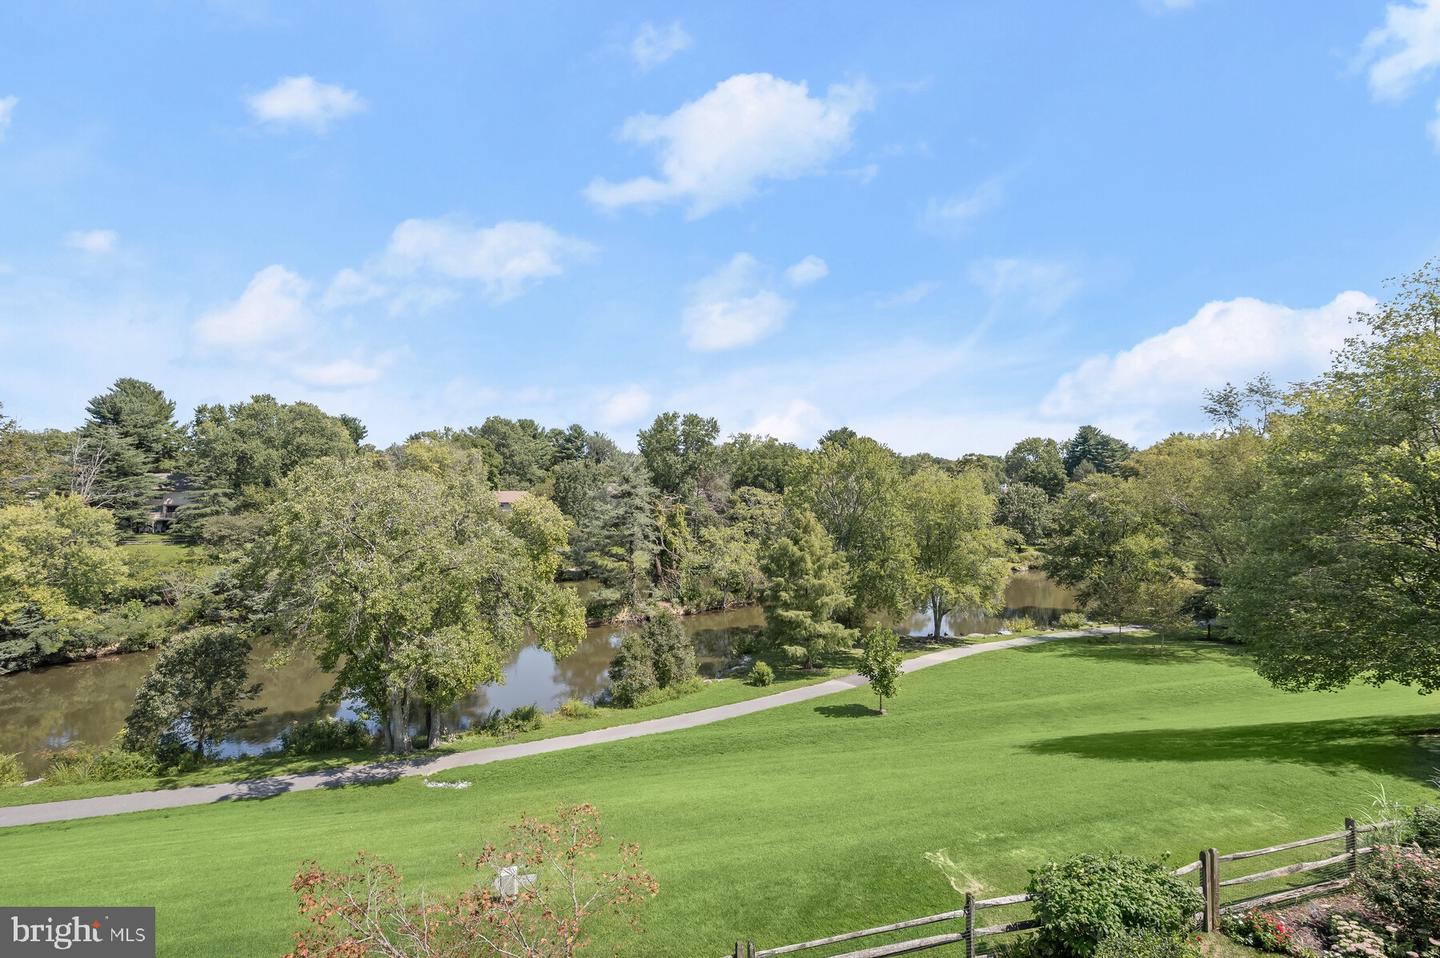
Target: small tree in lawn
pixel 197 690
pixel 880 663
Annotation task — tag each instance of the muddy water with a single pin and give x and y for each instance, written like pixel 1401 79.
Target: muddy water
pixel 88 701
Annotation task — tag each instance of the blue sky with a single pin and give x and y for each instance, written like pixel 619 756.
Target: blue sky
pixel 949 225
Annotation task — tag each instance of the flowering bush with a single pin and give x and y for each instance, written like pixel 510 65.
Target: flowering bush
pixel 1402 883
pixel 1349 937
pixel 1264 931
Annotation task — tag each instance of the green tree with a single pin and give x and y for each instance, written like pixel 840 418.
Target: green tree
pixel 1340 578
pixel 142 414
pixel 616 539
pixel 1027 510
pixel 197 691
pixel 58 560
pixel 959 556
pixel 658 655
pixel 409 587
pixel 524 452
pixel 880 663
pixel 759 462
pixel 679 451
pixel 1103 451
pixel 248 448
pixel 1036 461
pixel 807 594
pixel 108 471
pixel 354 426
pixel 856 490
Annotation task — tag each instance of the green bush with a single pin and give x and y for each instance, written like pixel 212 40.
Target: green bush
pixel 1148 945
pixel 525 718
pixel 81 764
pixel 1019 623
pixel 632 673
pixel 653 660
pixel 1086 899
pixel 1403 884
pixel 761 674
pixel 11 771
pixel 656 696
pixel 1072 620
pixel 324 735
pixel 575 709
pixel 1425 827
pixel 1264 931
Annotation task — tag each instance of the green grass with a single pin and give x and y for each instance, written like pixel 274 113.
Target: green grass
pixel 812 818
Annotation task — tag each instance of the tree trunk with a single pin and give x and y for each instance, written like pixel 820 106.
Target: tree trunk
pixel 937 614
pixel 432 725
pixel 395 735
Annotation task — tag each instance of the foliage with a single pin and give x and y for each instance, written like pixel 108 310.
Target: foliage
pixel 523 451
pixel 78 764
pixel 1101 450
pixel 141 414
pixel 806 594
pixel 959 558
pixel 1083 900
pixel 522 718
pixel 856 491
pixel 616 538
pixel 130 627
pixel 760 462
pixel 761 674
pixel 1148 945
pixel 1027 509
pixel 679 452
pixel 577 709
pixel 880 663
pixel 249 448
pixel 323 735
pixel 1019 623
pixel 1340 581
pixel 1036 461
pixel 1072 620
pixel 409 587
pixel 108 471
pixel 1425 827
pixel 1262 930
pixel 366 911
pixel 721 568
pixel 58 560
pixel 197 690
pixel 1351 937
pixel 657 656
pixel 11 771
pixel 1402 883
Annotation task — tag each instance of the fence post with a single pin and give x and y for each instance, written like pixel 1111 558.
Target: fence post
pixel 1352 845
pixel 744 949
pixel 969 925
pixel 1210 889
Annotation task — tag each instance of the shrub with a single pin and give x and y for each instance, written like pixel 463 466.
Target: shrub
pixel 11 771
pixel 1425 827
pixel 1262 930
pixel 575 709
pixel 1349 937
pixel 656 696
pixel 1020 623
pixel 79 764
pixel 1403 884
pixel 324 735
pixel 1072 620
pixel 1085 899
pixel 632 674
pixel 657 657
pixel 526 718
pixel 1148 945
pixel 761 674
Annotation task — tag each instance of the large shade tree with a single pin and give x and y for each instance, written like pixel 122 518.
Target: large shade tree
pixel 141 413
pixel 1341 577
pixel 411 588
pixel 1036 461
pixel 959 556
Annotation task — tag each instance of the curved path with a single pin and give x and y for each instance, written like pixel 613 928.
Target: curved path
pixel 386 771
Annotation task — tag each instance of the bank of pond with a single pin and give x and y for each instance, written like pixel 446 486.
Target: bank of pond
pixel 87 702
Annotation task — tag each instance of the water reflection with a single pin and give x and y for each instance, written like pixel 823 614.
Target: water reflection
pixel 88 701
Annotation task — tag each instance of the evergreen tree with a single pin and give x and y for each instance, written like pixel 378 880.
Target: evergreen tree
pixel 142 414
pixel 807 592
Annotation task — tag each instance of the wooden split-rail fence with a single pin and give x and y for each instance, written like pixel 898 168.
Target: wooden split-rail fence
pixel 1212 889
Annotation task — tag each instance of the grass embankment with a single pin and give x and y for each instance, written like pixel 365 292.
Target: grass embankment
pixel 812 818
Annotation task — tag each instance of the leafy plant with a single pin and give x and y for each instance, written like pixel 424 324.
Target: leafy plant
pixel 324 735
pixel 1349 936
pixel 1264 931
pixel 1425 827
pixel 79 764
pixel 1072 620
pixel 1403 884
pixel 1020 623
pixel 11 771
pixel 1148 945
pixel 761 674
pixel 575 709
pixel 1086 899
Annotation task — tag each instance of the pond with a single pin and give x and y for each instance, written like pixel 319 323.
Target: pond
pixel 88 701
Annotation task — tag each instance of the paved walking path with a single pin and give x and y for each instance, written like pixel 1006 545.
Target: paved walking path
pixel 387 771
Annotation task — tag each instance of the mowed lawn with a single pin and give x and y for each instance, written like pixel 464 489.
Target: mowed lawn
pixel 814 818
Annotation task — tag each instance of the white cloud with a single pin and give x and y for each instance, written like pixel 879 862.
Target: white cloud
pixel 351 287
pixel 908 296
pixel 809 270
pixel 1405 50
pixel 957 212
pixel 339 372
pixel 797 422
pixel 733 307
pixel 7 111
pixel 1036 286
pixel 1435 126
pixel 507 258
pixel 625 406
pixel 753 127
pixel 301 101
pixel 98 242
pixel 1159 381
pixel 654 45
pixel 271 309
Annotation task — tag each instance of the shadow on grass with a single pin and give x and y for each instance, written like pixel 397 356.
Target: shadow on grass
pixel 853 710
pixel 1144 650
pixel 1380 744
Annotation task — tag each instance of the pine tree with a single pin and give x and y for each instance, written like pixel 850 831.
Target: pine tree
pixel 807 591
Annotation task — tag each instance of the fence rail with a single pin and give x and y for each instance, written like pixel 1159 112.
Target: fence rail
pixel 1208 865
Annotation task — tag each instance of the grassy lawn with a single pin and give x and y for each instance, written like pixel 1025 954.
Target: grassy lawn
pixel 812 818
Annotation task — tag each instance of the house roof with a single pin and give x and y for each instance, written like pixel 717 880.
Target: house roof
pixel 508 497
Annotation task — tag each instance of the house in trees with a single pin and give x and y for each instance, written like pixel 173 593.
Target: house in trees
pixel 508 498
pixel 172 491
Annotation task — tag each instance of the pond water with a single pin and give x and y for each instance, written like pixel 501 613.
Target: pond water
pixel 88 701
